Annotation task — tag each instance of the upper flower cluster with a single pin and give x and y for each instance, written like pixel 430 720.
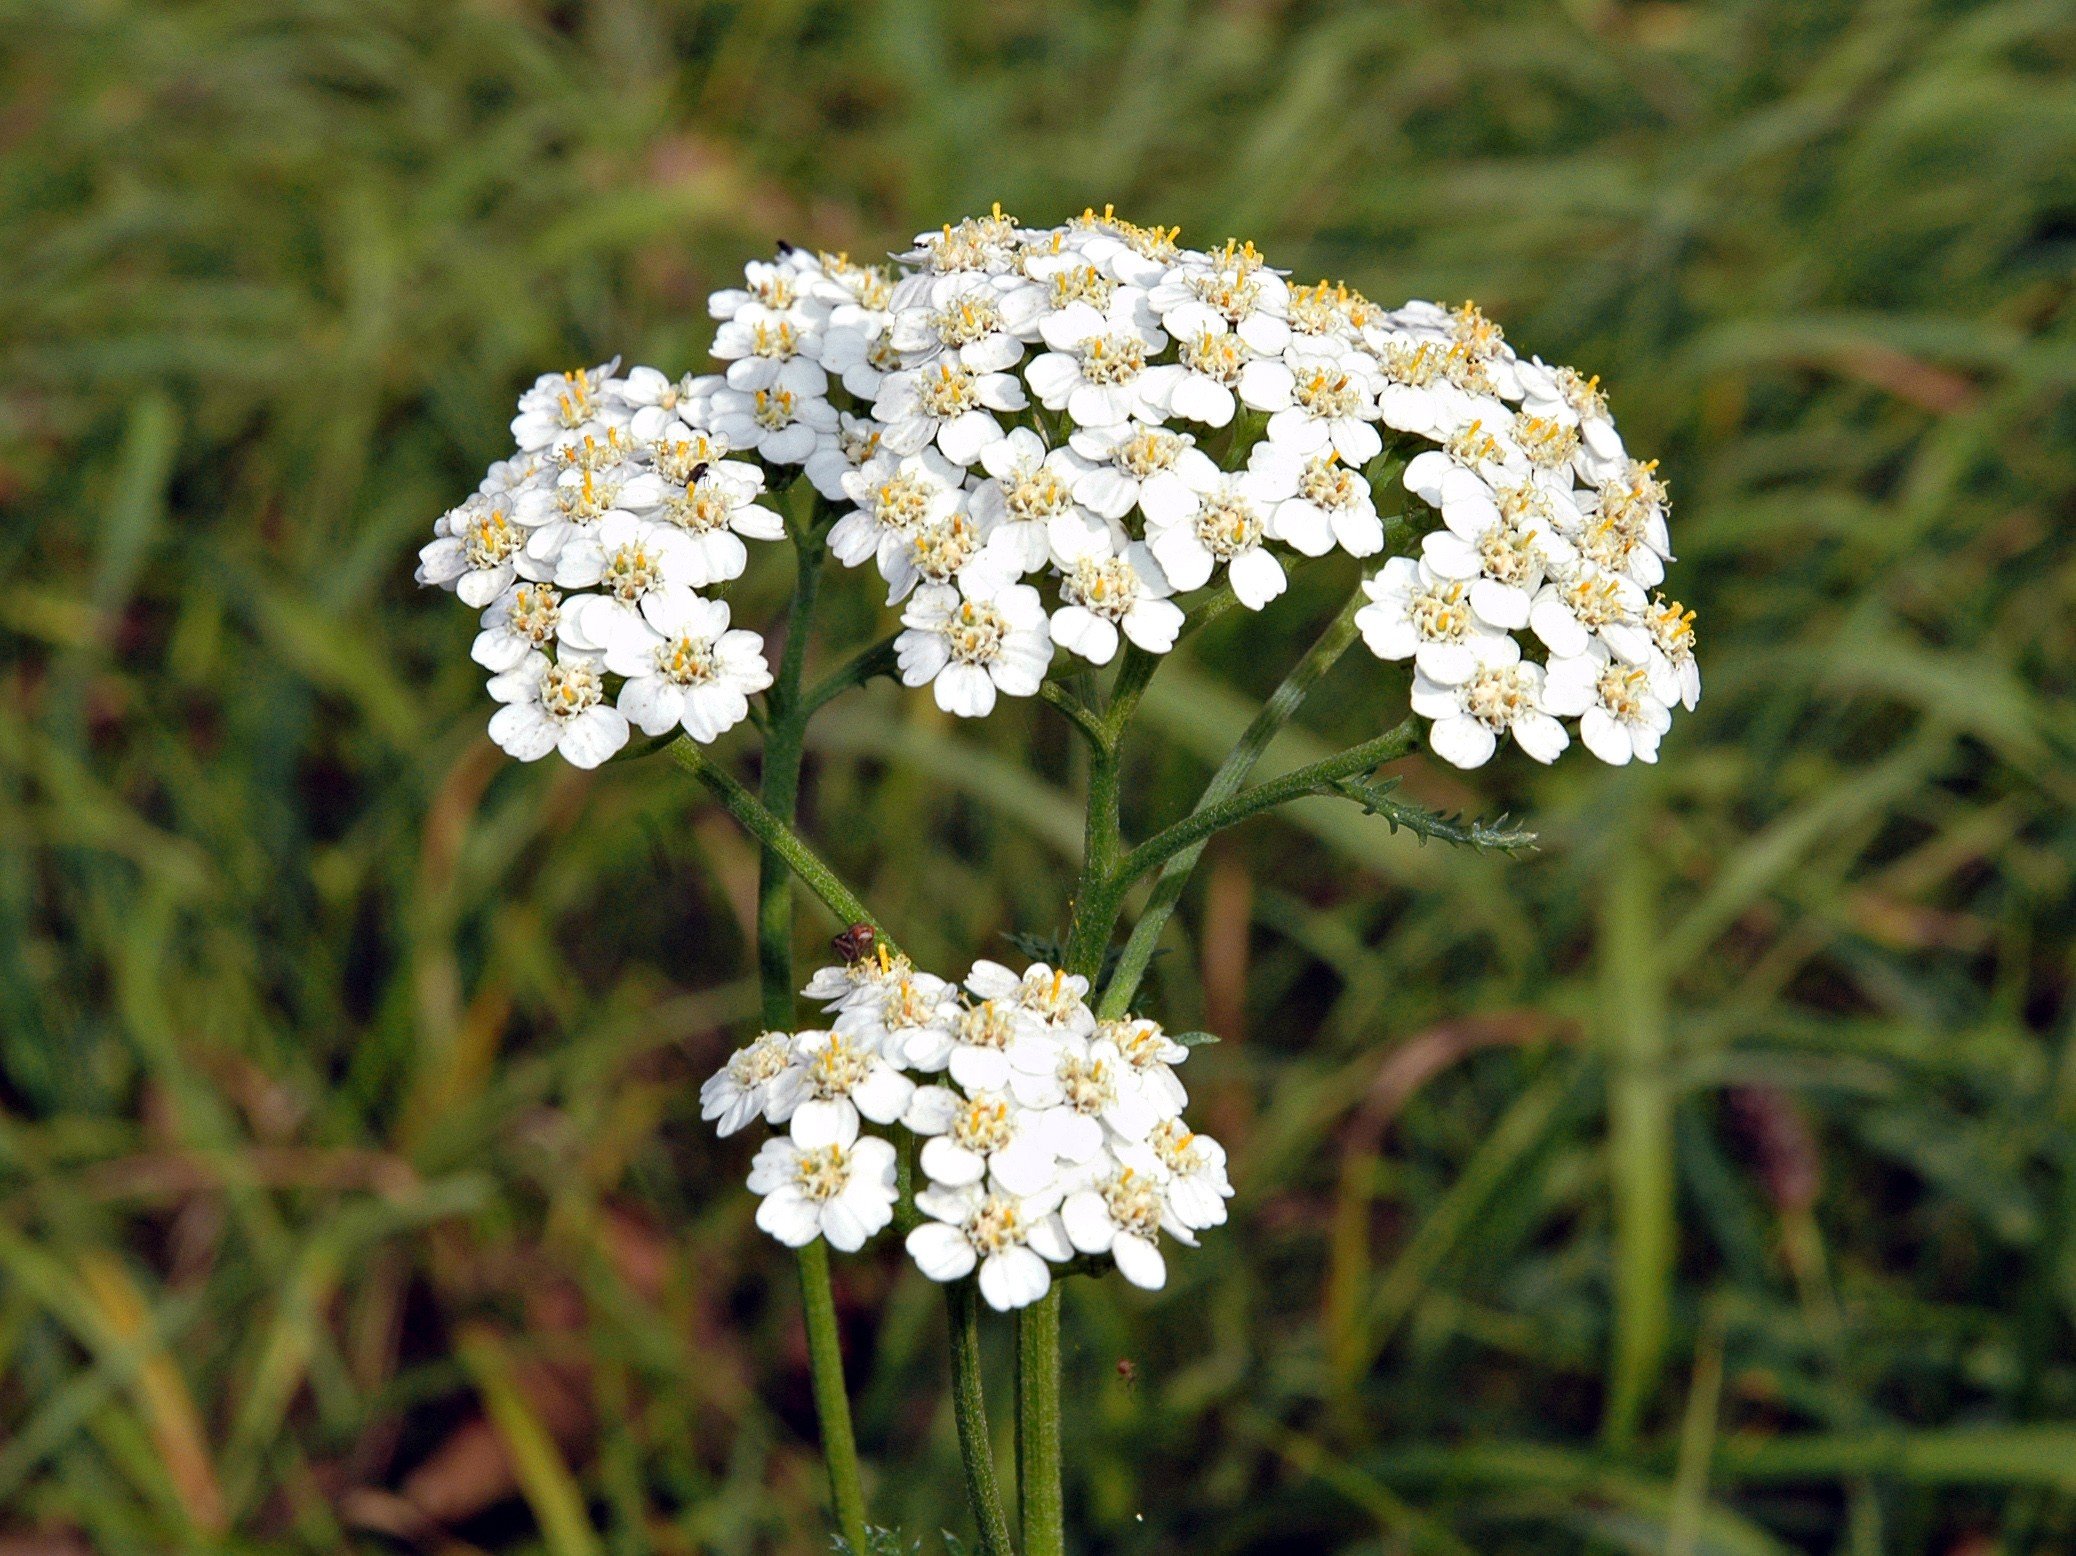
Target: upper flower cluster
pixel 1045 1132
pixel 1040 437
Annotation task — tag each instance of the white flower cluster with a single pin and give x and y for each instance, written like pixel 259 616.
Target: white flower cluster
pixel 1045 1133
pixel 1039 437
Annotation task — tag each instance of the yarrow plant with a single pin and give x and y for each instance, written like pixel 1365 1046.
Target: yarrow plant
pixel 1061 449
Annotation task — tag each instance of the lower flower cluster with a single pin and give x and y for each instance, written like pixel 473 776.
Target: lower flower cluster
pixel 1039 1131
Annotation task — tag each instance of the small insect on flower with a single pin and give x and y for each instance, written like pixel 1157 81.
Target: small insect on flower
pixel 855 943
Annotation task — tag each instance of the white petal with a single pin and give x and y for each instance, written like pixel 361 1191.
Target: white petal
pixel 940 1252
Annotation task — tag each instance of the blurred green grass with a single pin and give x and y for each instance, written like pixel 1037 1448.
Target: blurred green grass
pixel 1705 1184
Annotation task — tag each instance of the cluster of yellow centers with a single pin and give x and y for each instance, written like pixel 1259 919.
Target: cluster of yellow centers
pixel 1036 493
pixel 1154 242
pixel 1473 445
pixel 1596 599
pixel 1106 586
pixel 1087 1085
pixel 489 538
pixel 998 1224
pixel 1082 284
pixel 762 1060
pixel 570 688
pixel 1176 1147
pixel 1051 994
pixel 535 613
pixel 1328 393
pixel 1549 445
pixel 1441 613
pixel 1215 356
pixel 904 1004
pixel 573 403
pixel 1327 483
pixel 1112 359
pixel 945 391
pixel 774 409
pixel 687 660
pixel 586 499
pixel 972 318
pixel 823 1173
pixel 1134 1203
pixel 682 461
pixel 939 549
pixel 871 285
pixel 1499 694
pixel 1469 328
pixel 1672 628
pixel 988 1024
pixel 1139 1042
pixel 701 508
pixel 837 1067
pixel 1228 524
pixel 1509 553
pixel 596 450
pixel 1149 452
pixel 975 630
pixel 982 1126
pixel 631 572
pixel 1622 690
pixel 780 341
pixel 903 500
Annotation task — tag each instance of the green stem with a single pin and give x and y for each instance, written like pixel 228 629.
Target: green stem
pixel 832 1403
pixel 783 855
pixel 1319 777
pixel 1283 703
pixel 969 1405
pixel 1038 1425
pixel 875 659
pixel 776 837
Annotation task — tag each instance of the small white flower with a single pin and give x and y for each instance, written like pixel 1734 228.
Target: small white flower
pixel 1101 596
pixel 1214 372
pixel 968 1138
pixel 1500 697
pixel 631 561
pixel 1096 369
pixel 982 1044
pixel 1008 1236
pixel 1122 1213
pixel 1056 997
pixel 740 1090
pixel 886 1014
pixel 1563 394
pixel 842 453
pixel 561 405
pixel 771 289
pixel 976 319
pixel 1150 1057
pixel 1229 525
pixel 556 706
pixel 685 668
pixel 1675 674
pixel 1502 546
pixel 1417 614
pixel 784 427
pixel 843 1190
pixel 1197 1186
pixel 861 360
pixel 764 352
pixel 845 984
pixel 942 401
pixel 569 509
pixel 983 637
pixel 1228 289
pixel 1331 405
pixel 896 495
pixel 526 617
pixel 1026 506
pixel 832 1081
pixel 654 400
pixel 1316 501
pixel 1139 464
pixel 478 550
pixel 1581 602
pixel 1084 1099
pixel 937 553
pixel 715 510
pixel 1619 715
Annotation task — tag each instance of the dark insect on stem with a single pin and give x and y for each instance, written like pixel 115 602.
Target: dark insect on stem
pixel 855 943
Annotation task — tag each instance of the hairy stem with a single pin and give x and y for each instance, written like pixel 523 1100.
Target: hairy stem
pixel 969 1405
pixel 1283 703
pixel 832 1402
pixel 1038 1425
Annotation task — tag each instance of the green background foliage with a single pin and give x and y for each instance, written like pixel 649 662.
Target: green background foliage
pixel 1705 1182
